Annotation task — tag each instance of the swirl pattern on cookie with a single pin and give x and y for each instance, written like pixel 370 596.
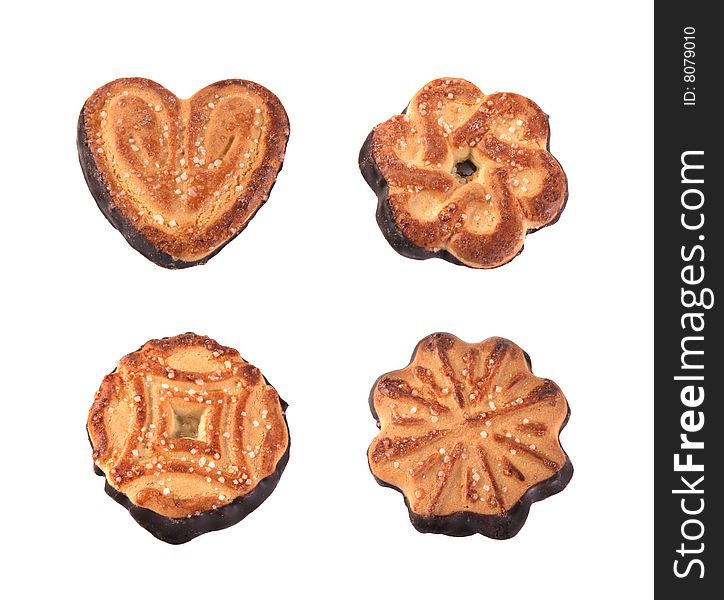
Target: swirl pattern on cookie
pixel 462 175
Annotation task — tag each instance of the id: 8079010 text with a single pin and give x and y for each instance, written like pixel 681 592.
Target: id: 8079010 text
pixel 689 66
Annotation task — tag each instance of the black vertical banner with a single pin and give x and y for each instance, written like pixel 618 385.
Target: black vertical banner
pixel 689 259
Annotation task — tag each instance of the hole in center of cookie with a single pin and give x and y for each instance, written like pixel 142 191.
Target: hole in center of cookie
pixel 188 422
pixel 465 169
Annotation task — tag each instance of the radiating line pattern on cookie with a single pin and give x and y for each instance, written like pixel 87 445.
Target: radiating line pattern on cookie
pixel 466 427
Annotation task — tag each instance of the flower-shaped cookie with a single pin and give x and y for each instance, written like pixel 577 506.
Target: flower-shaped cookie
pixel 469 436
pixel 463 175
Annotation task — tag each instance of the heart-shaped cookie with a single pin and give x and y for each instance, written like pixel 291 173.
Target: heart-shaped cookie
pixel 181 178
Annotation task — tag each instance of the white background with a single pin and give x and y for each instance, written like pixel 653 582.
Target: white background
pixel 313 295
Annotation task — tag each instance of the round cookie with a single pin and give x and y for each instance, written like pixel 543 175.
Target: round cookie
pixel 189 436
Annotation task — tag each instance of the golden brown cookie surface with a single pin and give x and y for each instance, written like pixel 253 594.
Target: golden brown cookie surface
pixel 469 436
pixel 463 175
pixel 184 426
pixel 180 178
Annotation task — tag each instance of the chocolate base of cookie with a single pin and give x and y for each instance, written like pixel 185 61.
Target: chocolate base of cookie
pixel 134 237
pixel 386 220
pixel 498 527
pixel 180 531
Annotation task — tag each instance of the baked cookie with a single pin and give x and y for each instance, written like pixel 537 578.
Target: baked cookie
pixel 462 175
pixel 189 436
pixel 181 178
pixel 469 436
